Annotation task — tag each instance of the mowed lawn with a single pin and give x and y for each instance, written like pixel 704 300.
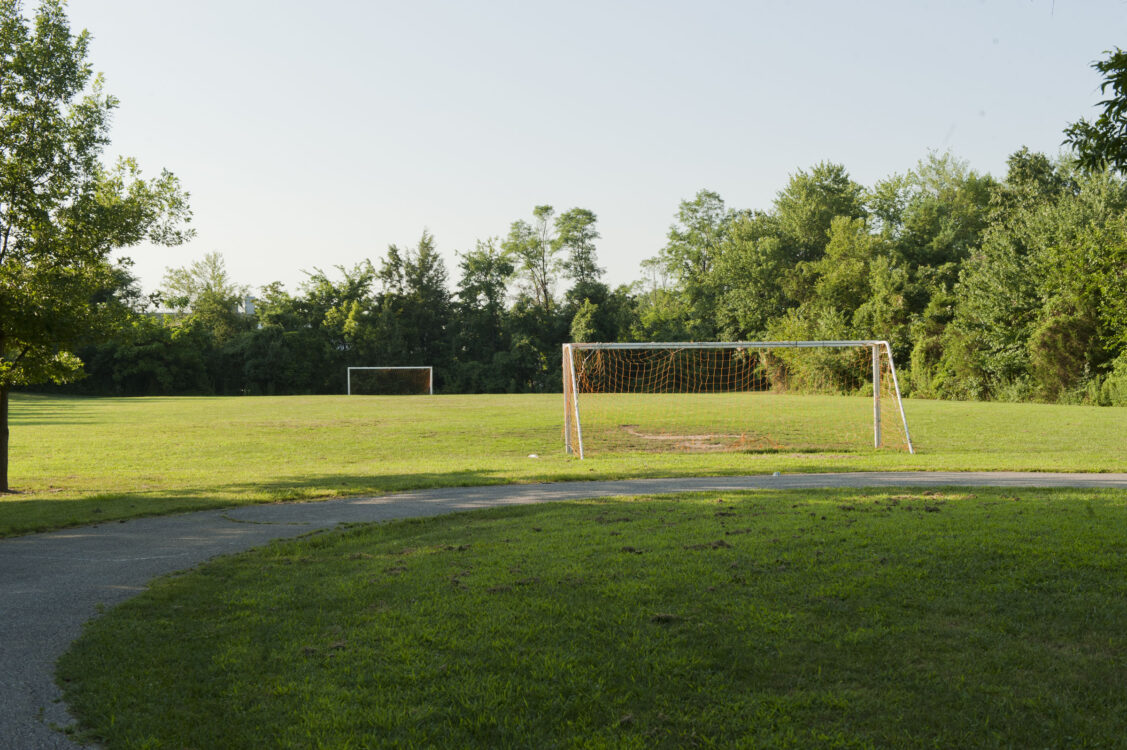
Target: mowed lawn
pixel 77 460
pixel 798 619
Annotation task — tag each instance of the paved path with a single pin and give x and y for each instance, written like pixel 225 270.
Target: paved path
pixel 51 583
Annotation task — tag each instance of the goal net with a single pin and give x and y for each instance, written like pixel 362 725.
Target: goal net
pixel 390 381
pixel 755 396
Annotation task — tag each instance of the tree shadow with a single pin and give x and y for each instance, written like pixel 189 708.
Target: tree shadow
pixel 27 409
pixel 24 515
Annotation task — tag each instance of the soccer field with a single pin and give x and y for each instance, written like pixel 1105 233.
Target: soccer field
pixel 78 461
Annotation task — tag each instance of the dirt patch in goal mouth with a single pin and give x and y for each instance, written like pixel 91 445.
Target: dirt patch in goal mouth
pixel 704 442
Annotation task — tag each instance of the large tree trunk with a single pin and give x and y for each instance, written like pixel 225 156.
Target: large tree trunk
pixel 3 439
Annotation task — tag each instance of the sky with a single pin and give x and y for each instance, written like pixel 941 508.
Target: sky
pixel 315 135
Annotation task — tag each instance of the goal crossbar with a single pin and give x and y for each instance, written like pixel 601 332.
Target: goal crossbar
pixel 423 368
pixel 727 344
pixel 572 418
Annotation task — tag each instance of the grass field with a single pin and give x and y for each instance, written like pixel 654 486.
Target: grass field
pixel 848 619
pixel 743 422
pixel 76 461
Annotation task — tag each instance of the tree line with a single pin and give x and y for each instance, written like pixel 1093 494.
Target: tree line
pixel 987 288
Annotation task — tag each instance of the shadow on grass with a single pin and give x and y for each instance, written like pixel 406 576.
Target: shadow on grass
pixel 979 623
pixel 21 514
pixel 24 513
pixel 26 409
pixel 46 509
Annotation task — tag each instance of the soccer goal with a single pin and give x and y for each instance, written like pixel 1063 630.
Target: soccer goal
pixel 390 381
pixel 755 396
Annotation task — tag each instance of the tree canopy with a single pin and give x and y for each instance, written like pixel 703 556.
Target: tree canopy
pixel 62 211
pixel 1103 143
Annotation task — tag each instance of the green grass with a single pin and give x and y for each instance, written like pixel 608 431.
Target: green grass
pixel 957 618
pixel 77 461
pixel 741 421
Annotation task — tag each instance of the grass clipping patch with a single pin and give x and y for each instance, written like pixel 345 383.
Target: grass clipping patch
pixel 770 619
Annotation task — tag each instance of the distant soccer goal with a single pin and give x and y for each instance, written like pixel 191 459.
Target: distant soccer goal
pixel 390 381
pixel 754 396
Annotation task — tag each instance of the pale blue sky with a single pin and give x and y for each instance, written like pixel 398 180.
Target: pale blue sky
pixel 315 134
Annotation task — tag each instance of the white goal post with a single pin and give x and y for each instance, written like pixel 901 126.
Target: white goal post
pixel 422 377
pixel 754 396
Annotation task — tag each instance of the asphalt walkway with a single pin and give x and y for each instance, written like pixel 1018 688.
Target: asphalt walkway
pixel 52 583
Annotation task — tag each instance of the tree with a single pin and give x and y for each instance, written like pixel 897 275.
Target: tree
pixel 689 257
pixel 610 317
pixel 931 221
pixel 1031 179
pixel 62 212
pixel 207 278
pixel 341 322
pixel 810 202
pixel 479 319
pixel 695 239
pixel 843 272
pixel 583 325
pixel 576 233
pixel 1103 143
pixel 537 323
pixel 589 301
pixel 485 275
pixel 206 289
pixel 751 267
pixel 945 212
pixel 536 252
pixel 415 307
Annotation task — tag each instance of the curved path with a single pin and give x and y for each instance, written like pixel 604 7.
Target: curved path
pixel 51 583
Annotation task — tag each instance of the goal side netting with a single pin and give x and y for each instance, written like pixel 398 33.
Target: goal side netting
pixel 755 396
pixel 390 381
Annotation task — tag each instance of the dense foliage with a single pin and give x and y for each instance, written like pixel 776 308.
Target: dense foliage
pixel 1104 142
pixel 988 288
